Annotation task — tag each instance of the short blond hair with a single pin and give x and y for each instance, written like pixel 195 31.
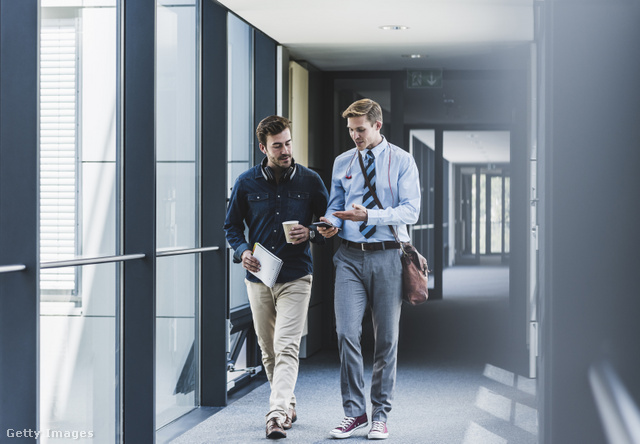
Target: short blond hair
pixel 364 107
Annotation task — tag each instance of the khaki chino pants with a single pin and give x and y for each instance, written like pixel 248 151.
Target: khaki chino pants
pixel 279 316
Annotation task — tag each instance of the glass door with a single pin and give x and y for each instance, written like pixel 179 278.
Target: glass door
pixel 422 146
pixel 479 197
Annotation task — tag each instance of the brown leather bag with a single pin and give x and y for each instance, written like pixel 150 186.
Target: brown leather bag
pixel 415 271
pixel 415 275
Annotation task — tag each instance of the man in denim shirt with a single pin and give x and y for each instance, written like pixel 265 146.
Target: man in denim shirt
pixel 263 197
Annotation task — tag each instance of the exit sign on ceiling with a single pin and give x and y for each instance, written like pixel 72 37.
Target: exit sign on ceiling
pixel 424 78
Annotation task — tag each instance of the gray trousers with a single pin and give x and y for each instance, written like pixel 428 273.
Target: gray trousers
pixel 364 278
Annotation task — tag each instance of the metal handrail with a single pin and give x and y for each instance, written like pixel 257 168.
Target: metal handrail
pixel 91 261
pixel 11 268
pixel 120 258
pixel 175 251
pixel 619 413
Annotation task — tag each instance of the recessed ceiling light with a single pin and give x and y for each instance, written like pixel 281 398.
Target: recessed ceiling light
pixel 394 27
pixel 412 56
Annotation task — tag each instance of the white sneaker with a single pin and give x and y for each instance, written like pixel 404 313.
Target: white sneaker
pixel 378 430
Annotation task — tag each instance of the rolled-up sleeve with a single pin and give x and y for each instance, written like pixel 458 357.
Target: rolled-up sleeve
pixel 234 223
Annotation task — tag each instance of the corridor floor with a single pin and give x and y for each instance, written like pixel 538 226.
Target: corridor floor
pixel 455 384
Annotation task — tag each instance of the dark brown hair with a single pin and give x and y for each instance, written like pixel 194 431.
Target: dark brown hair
pixel 270 126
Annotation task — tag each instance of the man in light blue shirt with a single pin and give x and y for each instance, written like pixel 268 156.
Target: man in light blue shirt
pixel 368 268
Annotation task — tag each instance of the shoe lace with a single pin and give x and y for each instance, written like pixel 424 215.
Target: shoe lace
pixel 377 426
pixel 346 422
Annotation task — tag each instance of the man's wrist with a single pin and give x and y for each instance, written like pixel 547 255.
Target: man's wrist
pixel 237 254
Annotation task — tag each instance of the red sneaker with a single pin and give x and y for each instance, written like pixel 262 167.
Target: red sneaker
pixel 349 425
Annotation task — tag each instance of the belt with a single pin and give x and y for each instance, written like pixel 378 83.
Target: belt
pixel 372 246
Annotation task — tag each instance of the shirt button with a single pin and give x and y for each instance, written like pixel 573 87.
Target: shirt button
pixel 273 248
pixel 275 231
pixel 277 212
pixel 278 196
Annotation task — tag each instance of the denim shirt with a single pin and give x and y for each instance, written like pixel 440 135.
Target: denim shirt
pixel 263 205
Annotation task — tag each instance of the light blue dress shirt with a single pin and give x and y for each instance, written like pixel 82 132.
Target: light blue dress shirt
pixel 397 187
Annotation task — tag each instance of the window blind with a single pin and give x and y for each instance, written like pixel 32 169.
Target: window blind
pixel 58 153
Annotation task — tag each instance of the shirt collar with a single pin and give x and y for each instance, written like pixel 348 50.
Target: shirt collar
pixel 378 149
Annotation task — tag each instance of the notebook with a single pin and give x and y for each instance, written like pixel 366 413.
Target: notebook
pixel 270 265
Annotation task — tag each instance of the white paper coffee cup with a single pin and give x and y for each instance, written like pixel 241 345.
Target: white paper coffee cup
pixel 287 226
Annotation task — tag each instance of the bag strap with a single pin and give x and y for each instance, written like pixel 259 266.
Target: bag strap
pixel 375 196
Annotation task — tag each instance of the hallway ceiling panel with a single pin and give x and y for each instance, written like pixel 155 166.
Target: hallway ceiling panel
pixel 470 147
pixel 346 34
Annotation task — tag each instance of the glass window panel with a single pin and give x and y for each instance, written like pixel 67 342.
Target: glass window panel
pixel 78 361
pixel 77 144
pixel 176 99
pixel 78 175
pixel 234 169
pixel 240 128
pixel 176 358
pixel 240 103
pixel 177 205
pixel 98 208
pixel 59 147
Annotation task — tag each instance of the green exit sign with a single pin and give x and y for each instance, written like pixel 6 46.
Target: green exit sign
pixel 424 78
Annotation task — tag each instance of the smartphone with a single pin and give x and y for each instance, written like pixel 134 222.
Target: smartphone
pixel 325 225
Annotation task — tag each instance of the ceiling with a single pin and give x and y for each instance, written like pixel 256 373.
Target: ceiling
pixel 348 35
pixel 470 147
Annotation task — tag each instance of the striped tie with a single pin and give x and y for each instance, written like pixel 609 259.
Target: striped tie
pixel 367 201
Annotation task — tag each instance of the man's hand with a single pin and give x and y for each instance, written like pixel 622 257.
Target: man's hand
pixel 327 232
pixel 249 262
pixel 299 233
pixel 359 213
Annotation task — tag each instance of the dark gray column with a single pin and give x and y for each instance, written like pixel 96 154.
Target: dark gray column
pixel 139 221
pixel 264 75
pixel 18 218
pixel 214 185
